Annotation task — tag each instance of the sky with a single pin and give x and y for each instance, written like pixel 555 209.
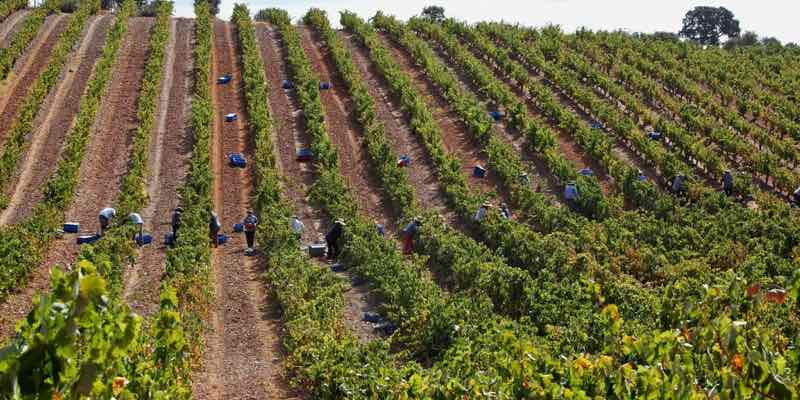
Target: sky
pixel 776 18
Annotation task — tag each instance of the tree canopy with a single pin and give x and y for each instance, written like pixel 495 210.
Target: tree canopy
pixel 433 13
pixel 707 25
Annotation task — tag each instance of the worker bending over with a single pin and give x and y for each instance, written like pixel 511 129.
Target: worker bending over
pixel 332 239
pixel 106 215
pixel 213 229
pixel 409 232
pixel 138 222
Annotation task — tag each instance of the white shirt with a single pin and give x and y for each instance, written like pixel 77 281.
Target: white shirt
pixel 108 212
pixel 297 226
pixel 136 219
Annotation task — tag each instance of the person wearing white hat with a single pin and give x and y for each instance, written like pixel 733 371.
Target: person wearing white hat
pixel 213 228
pixel 137 220
pixel 250 222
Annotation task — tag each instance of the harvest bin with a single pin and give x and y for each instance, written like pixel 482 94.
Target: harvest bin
pixel 316 250
pixel 237 160
pixel 224 79
pixel 479 172
pixel 88 239
pixel 72 227
pixel 230 117
pixel 304 154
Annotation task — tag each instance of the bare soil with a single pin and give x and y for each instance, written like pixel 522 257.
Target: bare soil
pixel 14 89
pixel 342 127
pixel 243 356
pixel 457 140
pixel 544 180
pixel 11 25
pixel 105 164
pixel 170 150
pixel 53 122
pixel 289 137
pixel 421 173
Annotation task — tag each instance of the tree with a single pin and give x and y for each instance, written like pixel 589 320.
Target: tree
pixel 706 25
pixel 214 5
pixel 433 13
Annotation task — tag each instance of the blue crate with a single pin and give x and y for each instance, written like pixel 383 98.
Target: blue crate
pixel 586 172
pixel 238 228
pixel 287 84
pixel 654 135
pixel 338 267
pixel 237 160
pixel 496 115
pixel 571 191
pixel 304 154
pixel 316 250
pixel 596 125
pixel 387 328
pixel 143 240
pixel 222 238
pixel 372 317
pixel 230 117
pixel 87 239
pixel 479 172
pixel 72 227
pixel 224 79
pixel 324 85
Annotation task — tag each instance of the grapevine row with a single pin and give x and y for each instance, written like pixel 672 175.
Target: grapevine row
pixel 695 118
pixel 24 36
pixel 24 244
pixel 9 6
pixel 425 313
pixel 16 142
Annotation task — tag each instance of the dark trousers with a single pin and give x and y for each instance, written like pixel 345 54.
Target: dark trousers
pixel 104 222
pixel 214 236
pixel 250 236
pixel 333 249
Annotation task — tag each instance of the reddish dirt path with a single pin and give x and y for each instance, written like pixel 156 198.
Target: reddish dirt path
pixel 105 164
pixel 342 128
pixel 289 135
pixel 54 121
pixel 421 173
pixel 457 140
pixel 11 25
pixel 170 150
pixel 288 138
pixel 243 354
pixel 540 174
pixel 34 60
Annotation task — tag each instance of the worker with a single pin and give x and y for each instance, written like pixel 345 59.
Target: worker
pixel 249 223
pixel 504 211
pixel 677 184
pixel 332 238
pixel 379 229
pixel 524 179
pixel 297 226
pixel 106 215
pixel 409 232
pixel 213 228
pixel 137 221
pixel 481 213
pixel 796 196
pixel 727 182
pixel 177 215
pixel 641 176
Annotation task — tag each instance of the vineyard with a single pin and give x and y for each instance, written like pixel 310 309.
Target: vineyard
pixel 524 213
